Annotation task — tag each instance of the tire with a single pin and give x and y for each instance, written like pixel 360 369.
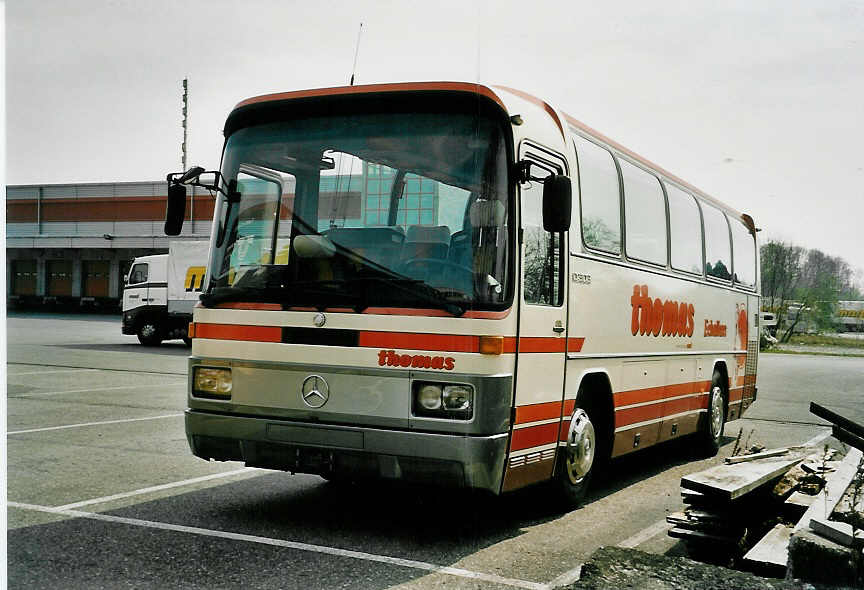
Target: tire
pixel 149 333
pixel 576 461
pixel 711 429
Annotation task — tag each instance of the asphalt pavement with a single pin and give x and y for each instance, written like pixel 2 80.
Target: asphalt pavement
pixel 103 492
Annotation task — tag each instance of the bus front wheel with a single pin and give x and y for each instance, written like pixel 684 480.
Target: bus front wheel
pixel 576 460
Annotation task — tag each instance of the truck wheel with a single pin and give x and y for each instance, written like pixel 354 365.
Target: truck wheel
pixel 711 430
pixel 576 460
pixel 148 333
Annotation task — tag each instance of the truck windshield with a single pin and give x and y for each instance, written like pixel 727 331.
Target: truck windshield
pixel 378 210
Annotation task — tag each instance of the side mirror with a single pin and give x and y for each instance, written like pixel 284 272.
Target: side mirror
pixel 557 203
pixel 175 212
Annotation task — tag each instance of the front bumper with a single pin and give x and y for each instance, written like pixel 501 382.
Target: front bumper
pixel 455 460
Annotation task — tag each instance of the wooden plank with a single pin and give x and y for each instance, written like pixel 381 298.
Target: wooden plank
pixel 729 482
pixel 799 499
pixel 687 535
pixel 754 456
pixel 839 532
pixel 835 418
pixel 773 548
pixel 835 486
pixel 849 438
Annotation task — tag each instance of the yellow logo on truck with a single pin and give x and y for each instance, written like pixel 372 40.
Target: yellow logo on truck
pixel 194 278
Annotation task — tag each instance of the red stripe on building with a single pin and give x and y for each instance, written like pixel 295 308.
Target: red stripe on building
pixel 534 436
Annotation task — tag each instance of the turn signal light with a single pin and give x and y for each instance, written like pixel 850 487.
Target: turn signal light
pixel 491 344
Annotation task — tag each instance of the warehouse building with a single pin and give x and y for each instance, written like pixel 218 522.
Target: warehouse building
pixel 70 245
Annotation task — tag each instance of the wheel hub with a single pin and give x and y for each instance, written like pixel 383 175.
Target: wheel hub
pixel 581 444
pixel 716 411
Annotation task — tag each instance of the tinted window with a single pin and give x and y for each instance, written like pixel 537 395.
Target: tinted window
pixel 138 274
pixel 644 215
pixel 685 230
pixel 717 251
pixel 543 259
pixel 601 206
pixel 744 251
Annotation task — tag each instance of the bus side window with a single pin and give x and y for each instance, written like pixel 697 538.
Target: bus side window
pixel 600 197
pixel 644 215
pixel 743 254
pixel 718 258
pixel 685 230
pixel 543 258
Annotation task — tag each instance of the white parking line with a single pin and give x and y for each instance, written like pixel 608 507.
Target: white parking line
pixel 645 534
pixel 95 389
pixel 818 438
pixel 92 424
pixel 396 561
pixel 164 486
pixel 48 372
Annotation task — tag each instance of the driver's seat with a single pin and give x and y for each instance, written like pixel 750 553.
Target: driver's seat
pixel 426 241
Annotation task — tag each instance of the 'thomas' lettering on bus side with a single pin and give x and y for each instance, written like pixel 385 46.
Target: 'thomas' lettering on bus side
pixel 391 358
pixel 655 317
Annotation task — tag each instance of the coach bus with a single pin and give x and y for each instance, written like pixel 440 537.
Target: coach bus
pixel 456 284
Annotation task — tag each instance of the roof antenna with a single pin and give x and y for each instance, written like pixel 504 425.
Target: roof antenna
pixel 356 53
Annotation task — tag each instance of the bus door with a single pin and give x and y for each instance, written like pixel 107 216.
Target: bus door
pixel 542 333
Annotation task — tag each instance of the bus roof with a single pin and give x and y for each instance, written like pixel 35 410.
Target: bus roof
pixel 482 90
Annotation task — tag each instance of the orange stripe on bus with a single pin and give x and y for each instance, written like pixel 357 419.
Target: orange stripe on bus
pixel 256 306
pixel 377 88
pixel 736 394
pixel 235 332
pixel 536 412
pixel 442 342
pixel 534 436
pixel 650 394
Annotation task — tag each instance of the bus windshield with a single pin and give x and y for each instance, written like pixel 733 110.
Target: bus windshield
pixel 375 210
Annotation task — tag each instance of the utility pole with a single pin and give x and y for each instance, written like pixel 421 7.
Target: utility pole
pixel 185 121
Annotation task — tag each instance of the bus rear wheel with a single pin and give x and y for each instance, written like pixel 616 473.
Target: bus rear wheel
pixel 576 460
pixel 711 430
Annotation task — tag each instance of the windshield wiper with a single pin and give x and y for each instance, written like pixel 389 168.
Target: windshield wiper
pixel 323 294
pixel 301 293
pixel 428 294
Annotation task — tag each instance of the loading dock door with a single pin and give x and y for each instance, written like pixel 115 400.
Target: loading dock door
pixel 23 277
pixel 59 278
pixel 96 273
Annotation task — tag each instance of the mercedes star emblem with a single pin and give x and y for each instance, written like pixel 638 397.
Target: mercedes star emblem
pixel 320 319
pixel 314 392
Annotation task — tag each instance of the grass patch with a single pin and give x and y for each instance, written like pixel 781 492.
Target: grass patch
pixel 774 350
pixel 827 340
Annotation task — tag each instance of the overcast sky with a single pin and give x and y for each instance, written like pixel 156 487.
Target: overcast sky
pixel 758 103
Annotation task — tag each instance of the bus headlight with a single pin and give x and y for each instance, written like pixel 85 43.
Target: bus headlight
pixel 458 397
pixel 429 396
pixel 443 400
pixel 211 382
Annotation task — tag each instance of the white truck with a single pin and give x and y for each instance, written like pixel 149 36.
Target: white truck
pixel 161 290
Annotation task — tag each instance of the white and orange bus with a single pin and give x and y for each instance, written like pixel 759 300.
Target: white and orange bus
pixel 461 285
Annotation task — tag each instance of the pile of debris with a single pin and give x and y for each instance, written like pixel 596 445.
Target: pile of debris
pixel 773 512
